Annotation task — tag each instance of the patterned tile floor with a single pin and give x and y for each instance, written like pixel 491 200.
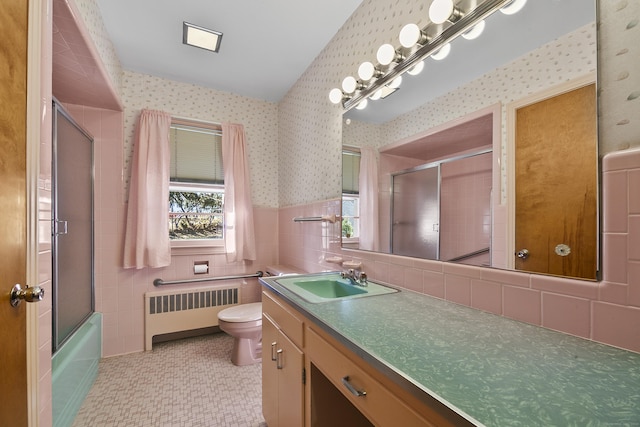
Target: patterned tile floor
pixel 183 383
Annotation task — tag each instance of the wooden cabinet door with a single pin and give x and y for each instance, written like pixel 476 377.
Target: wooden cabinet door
pixel 269 372
pixel 290 386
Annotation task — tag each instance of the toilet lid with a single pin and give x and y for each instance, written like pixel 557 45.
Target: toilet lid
pixel 242 313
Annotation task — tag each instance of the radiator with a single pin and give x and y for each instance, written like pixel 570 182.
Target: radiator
pixel 180 310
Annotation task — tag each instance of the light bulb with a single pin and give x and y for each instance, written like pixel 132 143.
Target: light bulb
pixel 366 71
pixel 440 11
pixel 376 95
pixel 335 95
pixel 410 35
pixel 441 53
pixel 386 54
pixel 416 69
pixel 475 31
pixel 513 7
pixel 395 83
pixel 349 84
pixel 362 104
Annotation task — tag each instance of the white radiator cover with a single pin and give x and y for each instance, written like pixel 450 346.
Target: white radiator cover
pixel 178 310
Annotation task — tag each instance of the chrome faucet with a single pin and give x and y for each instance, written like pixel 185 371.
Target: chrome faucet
pixel 357 278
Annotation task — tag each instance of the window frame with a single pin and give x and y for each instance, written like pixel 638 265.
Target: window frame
pixel 186 246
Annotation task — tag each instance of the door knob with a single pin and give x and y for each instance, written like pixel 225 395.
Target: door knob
pixel 29 294
pixel 523 253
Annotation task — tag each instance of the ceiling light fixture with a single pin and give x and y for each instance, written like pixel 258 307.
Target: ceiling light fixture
pixel 513 7
pixel 441 53
pixel 411 35
pixel 388 54
pixel 442 11
pixel 201 37
pixel 376 81
pixel 475 31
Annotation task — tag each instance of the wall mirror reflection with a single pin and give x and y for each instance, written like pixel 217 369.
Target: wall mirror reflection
pixel 434 170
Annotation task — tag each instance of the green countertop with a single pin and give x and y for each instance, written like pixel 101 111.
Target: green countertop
pixel 491 370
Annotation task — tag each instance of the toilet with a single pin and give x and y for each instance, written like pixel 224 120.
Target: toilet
pixel 244 323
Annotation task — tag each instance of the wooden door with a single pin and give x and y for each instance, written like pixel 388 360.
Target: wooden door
pixel 13 210
pixel 556 185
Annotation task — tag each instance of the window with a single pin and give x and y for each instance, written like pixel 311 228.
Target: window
pixel 350 195
pixel 196 188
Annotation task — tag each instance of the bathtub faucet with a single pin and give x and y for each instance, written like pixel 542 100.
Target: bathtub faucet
pixel 357 278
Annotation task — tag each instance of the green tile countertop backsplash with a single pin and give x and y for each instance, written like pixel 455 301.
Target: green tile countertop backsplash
pixel 492 370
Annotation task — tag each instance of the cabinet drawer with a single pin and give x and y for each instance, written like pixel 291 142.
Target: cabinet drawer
pixel 380 405
pixel 285 318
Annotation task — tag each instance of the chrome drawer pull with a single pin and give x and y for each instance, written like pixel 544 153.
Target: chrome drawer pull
pixel 273 350
pixel 352 389
pixel 279 357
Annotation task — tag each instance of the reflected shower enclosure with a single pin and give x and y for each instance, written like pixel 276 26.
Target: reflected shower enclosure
pixel 442 210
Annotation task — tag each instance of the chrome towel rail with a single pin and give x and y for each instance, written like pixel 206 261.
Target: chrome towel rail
pixel 160 282
pixel 469 255
pixel 326 218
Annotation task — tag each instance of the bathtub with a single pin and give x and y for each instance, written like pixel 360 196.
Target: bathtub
pixel 74 368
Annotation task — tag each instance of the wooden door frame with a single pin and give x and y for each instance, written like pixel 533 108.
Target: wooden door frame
pixel 511 110
pixel 36 125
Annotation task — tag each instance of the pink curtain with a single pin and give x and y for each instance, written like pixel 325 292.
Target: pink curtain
pixel 369 235
pixel 240 242
pixel 146 236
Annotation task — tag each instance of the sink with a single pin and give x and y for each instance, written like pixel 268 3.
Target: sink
pixel 326 287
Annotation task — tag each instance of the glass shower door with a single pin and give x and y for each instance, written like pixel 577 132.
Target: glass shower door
pixel 73 299
pixel 416 213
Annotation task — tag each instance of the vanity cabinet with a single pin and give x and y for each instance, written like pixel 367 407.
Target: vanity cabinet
pixel 341 388
pixel 282 364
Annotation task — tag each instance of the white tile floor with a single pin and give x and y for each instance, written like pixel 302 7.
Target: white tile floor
pixel 183 383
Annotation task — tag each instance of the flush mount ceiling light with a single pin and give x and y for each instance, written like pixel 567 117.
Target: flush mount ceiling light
pixel 460 18
pixel 203 38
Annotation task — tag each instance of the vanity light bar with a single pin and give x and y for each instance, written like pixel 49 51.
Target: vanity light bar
pixel 462 24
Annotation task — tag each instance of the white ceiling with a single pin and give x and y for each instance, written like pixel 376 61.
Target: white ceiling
pixel 266 44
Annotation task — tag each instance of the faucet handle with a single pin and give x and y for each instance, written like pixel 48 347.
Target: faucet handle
pixel 363 277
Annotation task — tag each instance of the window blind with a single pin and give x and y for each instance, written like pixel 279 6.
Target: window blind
pixel 196 155
pixel 350 172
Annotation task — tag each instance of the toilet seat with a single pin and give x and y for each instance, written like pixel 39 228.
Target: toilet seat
pixel 242 313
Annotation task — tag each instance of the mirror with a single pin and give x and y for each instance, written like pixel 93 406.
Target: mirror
pixel 451 122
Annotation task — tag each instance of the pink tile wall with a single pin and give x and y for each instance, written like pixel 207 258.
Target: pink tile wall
pixel 607 311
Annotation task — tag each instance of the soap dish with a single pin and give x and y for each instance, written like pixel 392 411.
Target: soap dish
pixel 352 264
pixel 334 260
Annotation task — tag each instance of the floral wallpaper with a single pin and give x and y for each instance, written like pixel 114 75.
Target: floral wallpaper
pixel 93 22
pixel 259 118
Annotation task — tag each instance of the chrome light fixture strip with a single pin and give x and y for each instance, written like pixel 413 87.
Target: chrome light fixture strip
pixel 474 16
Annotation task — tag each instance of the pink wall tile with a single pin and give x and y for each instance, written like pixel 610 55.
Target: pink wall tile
pixel 614 263
pixel 614 203
pixel 560 285
pixel 566 314
pixel 457 289
pixel 486 296
pixel 634 283
pixel 522 304
pixel 413 280
pixel 633 251
pixel 634 191
pixel 617 325
pixel 433 284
